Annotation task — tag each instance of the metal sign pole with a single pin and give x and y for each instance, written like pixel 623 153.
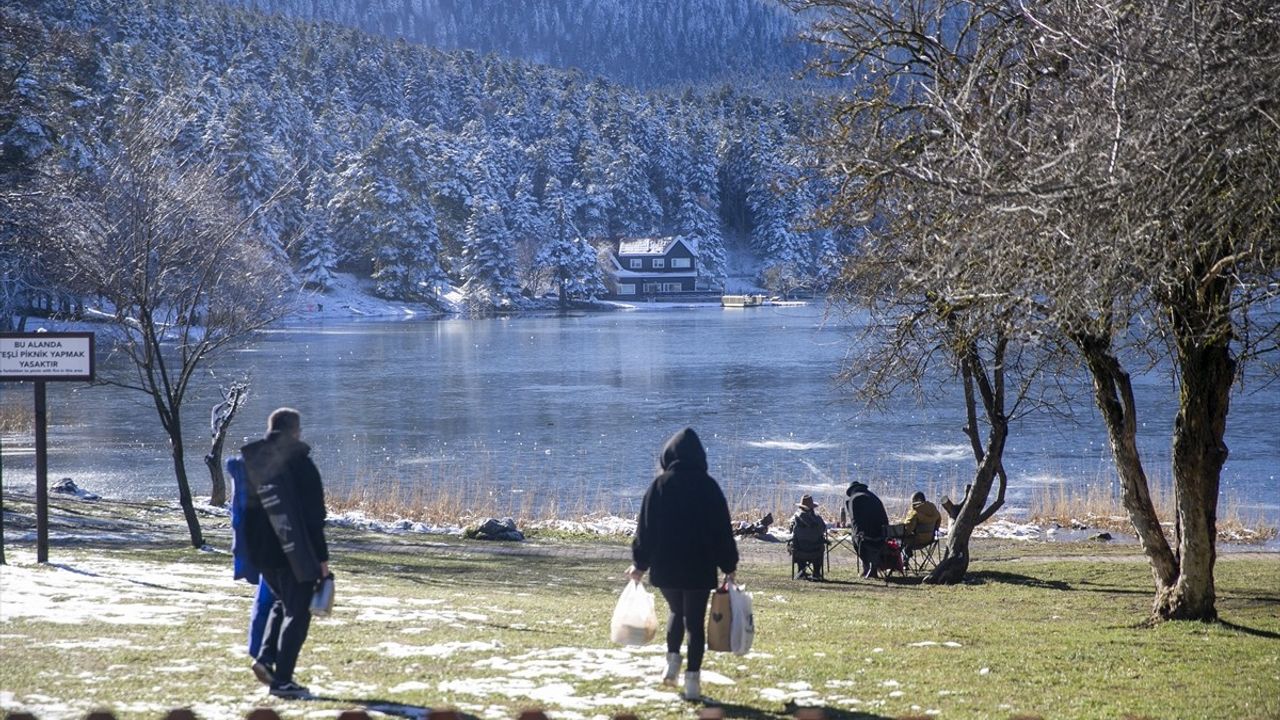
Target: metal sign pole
pixel 37 357
pixel 42 476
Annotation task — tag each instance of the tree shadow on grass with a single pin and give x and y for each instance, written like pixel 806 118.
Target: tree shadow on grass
pixel 1250 631
pixel 996 576
pixel 748 712
pixel 386 707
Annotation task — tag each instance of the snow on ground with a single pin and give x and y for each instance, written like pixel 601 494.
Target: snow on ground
pixel 119 592
pixel 349 296
pixel 574 683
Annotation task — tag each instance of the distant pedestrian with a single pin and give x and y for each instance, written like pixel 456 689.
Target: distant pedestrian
pixel 242 566
pixel 868 523
pixel 682 536
pixel 284 528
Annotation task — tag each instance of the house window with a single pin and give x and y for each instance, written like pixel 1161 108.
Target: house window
pixel 626 289
pixel 659 263
pixel 650 288
pixel 636 263
pixel 672 287
pixel 681 262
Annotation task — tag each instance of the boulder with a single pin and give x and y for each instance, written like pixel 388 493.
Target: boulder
pixel 494 529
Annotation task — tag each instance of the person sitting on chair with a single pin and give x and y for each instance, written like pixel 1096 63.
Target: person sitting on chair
pixel 920 523
pixel 867 522
pixel 808 538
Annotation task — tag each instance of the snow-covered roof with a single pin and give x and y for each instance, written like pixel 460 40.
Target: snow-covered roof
pixel 653 246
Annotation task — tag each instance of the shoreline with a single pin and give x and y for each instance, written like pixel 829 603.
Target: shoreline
pixel 606 526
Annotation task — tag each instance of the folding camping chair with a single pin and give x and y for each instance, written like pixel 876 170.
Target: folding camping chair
pixel 922 558
pixel 808 553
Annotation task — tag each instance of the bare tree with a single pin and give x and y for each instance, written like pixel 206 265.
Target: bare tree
pixel 220 419
pixel 1094 178
pixel 156 241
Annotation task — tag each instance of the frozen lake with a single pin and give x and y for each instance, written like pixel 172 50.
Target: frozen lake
pixel 568 413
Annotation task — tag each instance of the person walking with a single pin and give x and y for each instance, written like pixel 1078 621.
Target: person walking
pixel 284 529
pixel 868 522
pixel 683 535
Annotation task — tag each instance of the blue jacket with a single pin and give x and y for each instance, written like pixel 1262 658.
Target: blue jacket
pixel 243 566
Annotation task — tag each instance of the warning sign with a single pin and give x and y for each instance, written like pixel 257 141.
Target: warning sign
pixel 46 356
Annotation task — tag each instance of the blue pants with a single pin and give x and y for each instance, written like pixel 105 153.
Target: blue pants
pixel 258 617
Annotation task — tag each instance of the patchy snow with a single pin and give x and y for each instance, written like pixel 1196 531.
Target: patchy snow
pixel 550 678
pixel 357 520
pixel 1007 529
pixel 442 650
pixel 118 592
pixel 603 525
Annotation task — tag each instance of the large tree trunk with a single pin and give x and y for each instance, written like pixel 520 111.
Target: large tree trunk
pixel 1113 393
pixel 1199 452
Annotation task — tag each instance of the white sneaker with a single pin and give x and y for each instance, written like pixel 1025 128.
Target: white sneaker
pixel 692 686
pixel 673 669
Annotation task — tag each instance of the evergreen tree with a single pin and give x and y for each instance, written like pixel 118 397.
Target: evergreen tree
pixel 487 258
pixel 317 254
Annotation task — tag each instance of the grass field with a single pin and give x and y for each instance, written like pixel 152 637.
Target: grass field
pixel 126 618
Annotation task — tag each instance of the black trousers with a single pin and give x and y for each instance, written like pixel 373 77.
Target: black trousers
pixel 288 623
pixel 688 613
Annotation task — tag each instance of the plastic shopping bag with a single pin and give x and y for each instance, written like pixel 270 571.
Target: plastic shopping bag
pixel 742 629
pixel 634 620
pixel 322 598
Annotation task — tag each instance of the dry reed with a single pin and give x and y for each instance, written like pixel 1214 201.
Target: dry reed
pixel 1098 505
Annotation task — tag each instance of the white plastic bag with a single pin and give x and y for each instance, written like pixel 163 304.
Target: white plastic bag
pixel 634 620
pixel 743 627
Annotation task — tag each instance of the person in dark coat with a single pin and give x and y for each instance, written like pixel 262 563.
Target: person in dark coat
pixel 682 536
pixel 284 531
pixel 868 522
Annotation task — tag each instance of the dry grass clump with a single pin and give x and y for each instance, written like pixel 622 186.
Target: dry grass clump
pixel 1098 506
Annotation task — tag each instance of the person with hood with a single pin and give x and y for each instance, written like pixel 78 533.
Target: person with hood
pixel 921 522
pixel 868 522
pixel 683 535
pixel 284 529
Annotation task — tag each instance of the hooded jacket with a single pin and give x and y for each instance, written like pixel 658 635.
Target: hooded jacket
pixel 865 511
pixel 921 521
pixel 683 533
pixel 286 462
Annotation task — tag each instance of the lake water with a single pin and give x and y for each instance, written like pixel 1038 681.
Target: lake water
pixel 526 414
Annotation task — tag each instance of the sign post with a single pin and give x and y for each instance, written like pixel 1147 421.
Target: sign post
pixel 40 357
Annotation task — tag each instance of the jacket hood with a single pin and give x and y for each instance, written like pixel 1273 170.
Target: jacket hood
pixel 856 487
pixel 684 449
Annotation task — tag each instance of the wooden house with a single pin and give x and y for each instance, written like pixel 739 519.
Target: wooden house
pixel 650 267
